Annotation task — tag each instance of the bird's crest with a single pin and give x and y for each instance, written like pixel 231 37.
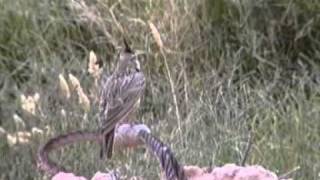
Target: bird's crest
pixel 126 46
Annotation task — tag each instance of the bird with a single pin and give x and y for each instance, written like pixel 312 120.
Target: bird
pixel 120 96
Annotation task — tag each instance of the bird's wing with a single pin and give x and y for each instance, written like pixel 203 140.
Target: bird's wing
pixel 118 97
pixel 104 98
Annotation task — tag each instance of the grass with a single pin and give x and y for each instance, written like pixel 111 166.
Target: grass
pixel 236 67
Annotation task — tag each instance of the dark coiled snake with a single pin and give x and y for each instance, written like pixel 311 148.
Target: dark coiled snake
pixel 125 136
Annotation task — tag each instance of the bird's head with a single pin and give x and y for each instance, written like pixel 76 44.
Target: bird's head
pixel 128 59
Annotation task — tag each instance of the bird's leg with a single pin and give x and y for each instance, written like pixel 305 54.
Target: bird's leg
pixel 102 144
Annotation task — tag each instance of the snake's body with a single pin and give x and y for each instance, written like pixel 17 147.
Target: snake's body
pixel 43 161
pixel 169 164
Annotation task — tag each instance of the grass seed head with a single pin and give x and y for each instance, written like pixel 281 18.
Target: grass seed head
pixel 2 131
pixel 93 66
pixel 18 121
pixel 75 83
pixel 29 103
pixel 36 131
pixel 156 35
pixel 83 100
pixel 65 91
pixel 21 137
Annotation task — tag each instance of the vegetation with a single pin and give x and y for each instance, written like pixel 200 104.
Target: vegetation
pixel 227 69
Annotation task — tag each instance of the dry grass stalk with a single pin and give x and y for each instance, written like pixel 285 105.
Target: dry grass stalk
pixel 118 25
pixel 157 37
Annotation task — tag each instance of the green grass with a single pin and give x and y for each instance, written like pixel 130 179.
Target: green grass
pixel 236 66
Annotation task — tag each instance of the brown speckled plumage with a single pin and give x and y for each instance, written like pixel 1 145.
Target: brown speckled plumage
pixel 120 94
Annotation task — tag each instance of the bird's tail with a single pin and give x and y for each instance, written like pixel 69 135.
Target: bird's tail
pixel 107 145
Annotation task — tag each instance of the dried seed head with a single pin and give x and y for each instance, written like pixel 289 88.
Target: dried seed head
pixel 23 98
pixel 75 84
pixel 18 121
pixel 36 130
pixel 64 86
pixel 29 103
pixel 36 97
pixel 156 35
pixel 93 66
pixel 48 129
pixel 12 140
pixel 63 113
pixel 2 131
pixel 21 137
pixel 84 100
